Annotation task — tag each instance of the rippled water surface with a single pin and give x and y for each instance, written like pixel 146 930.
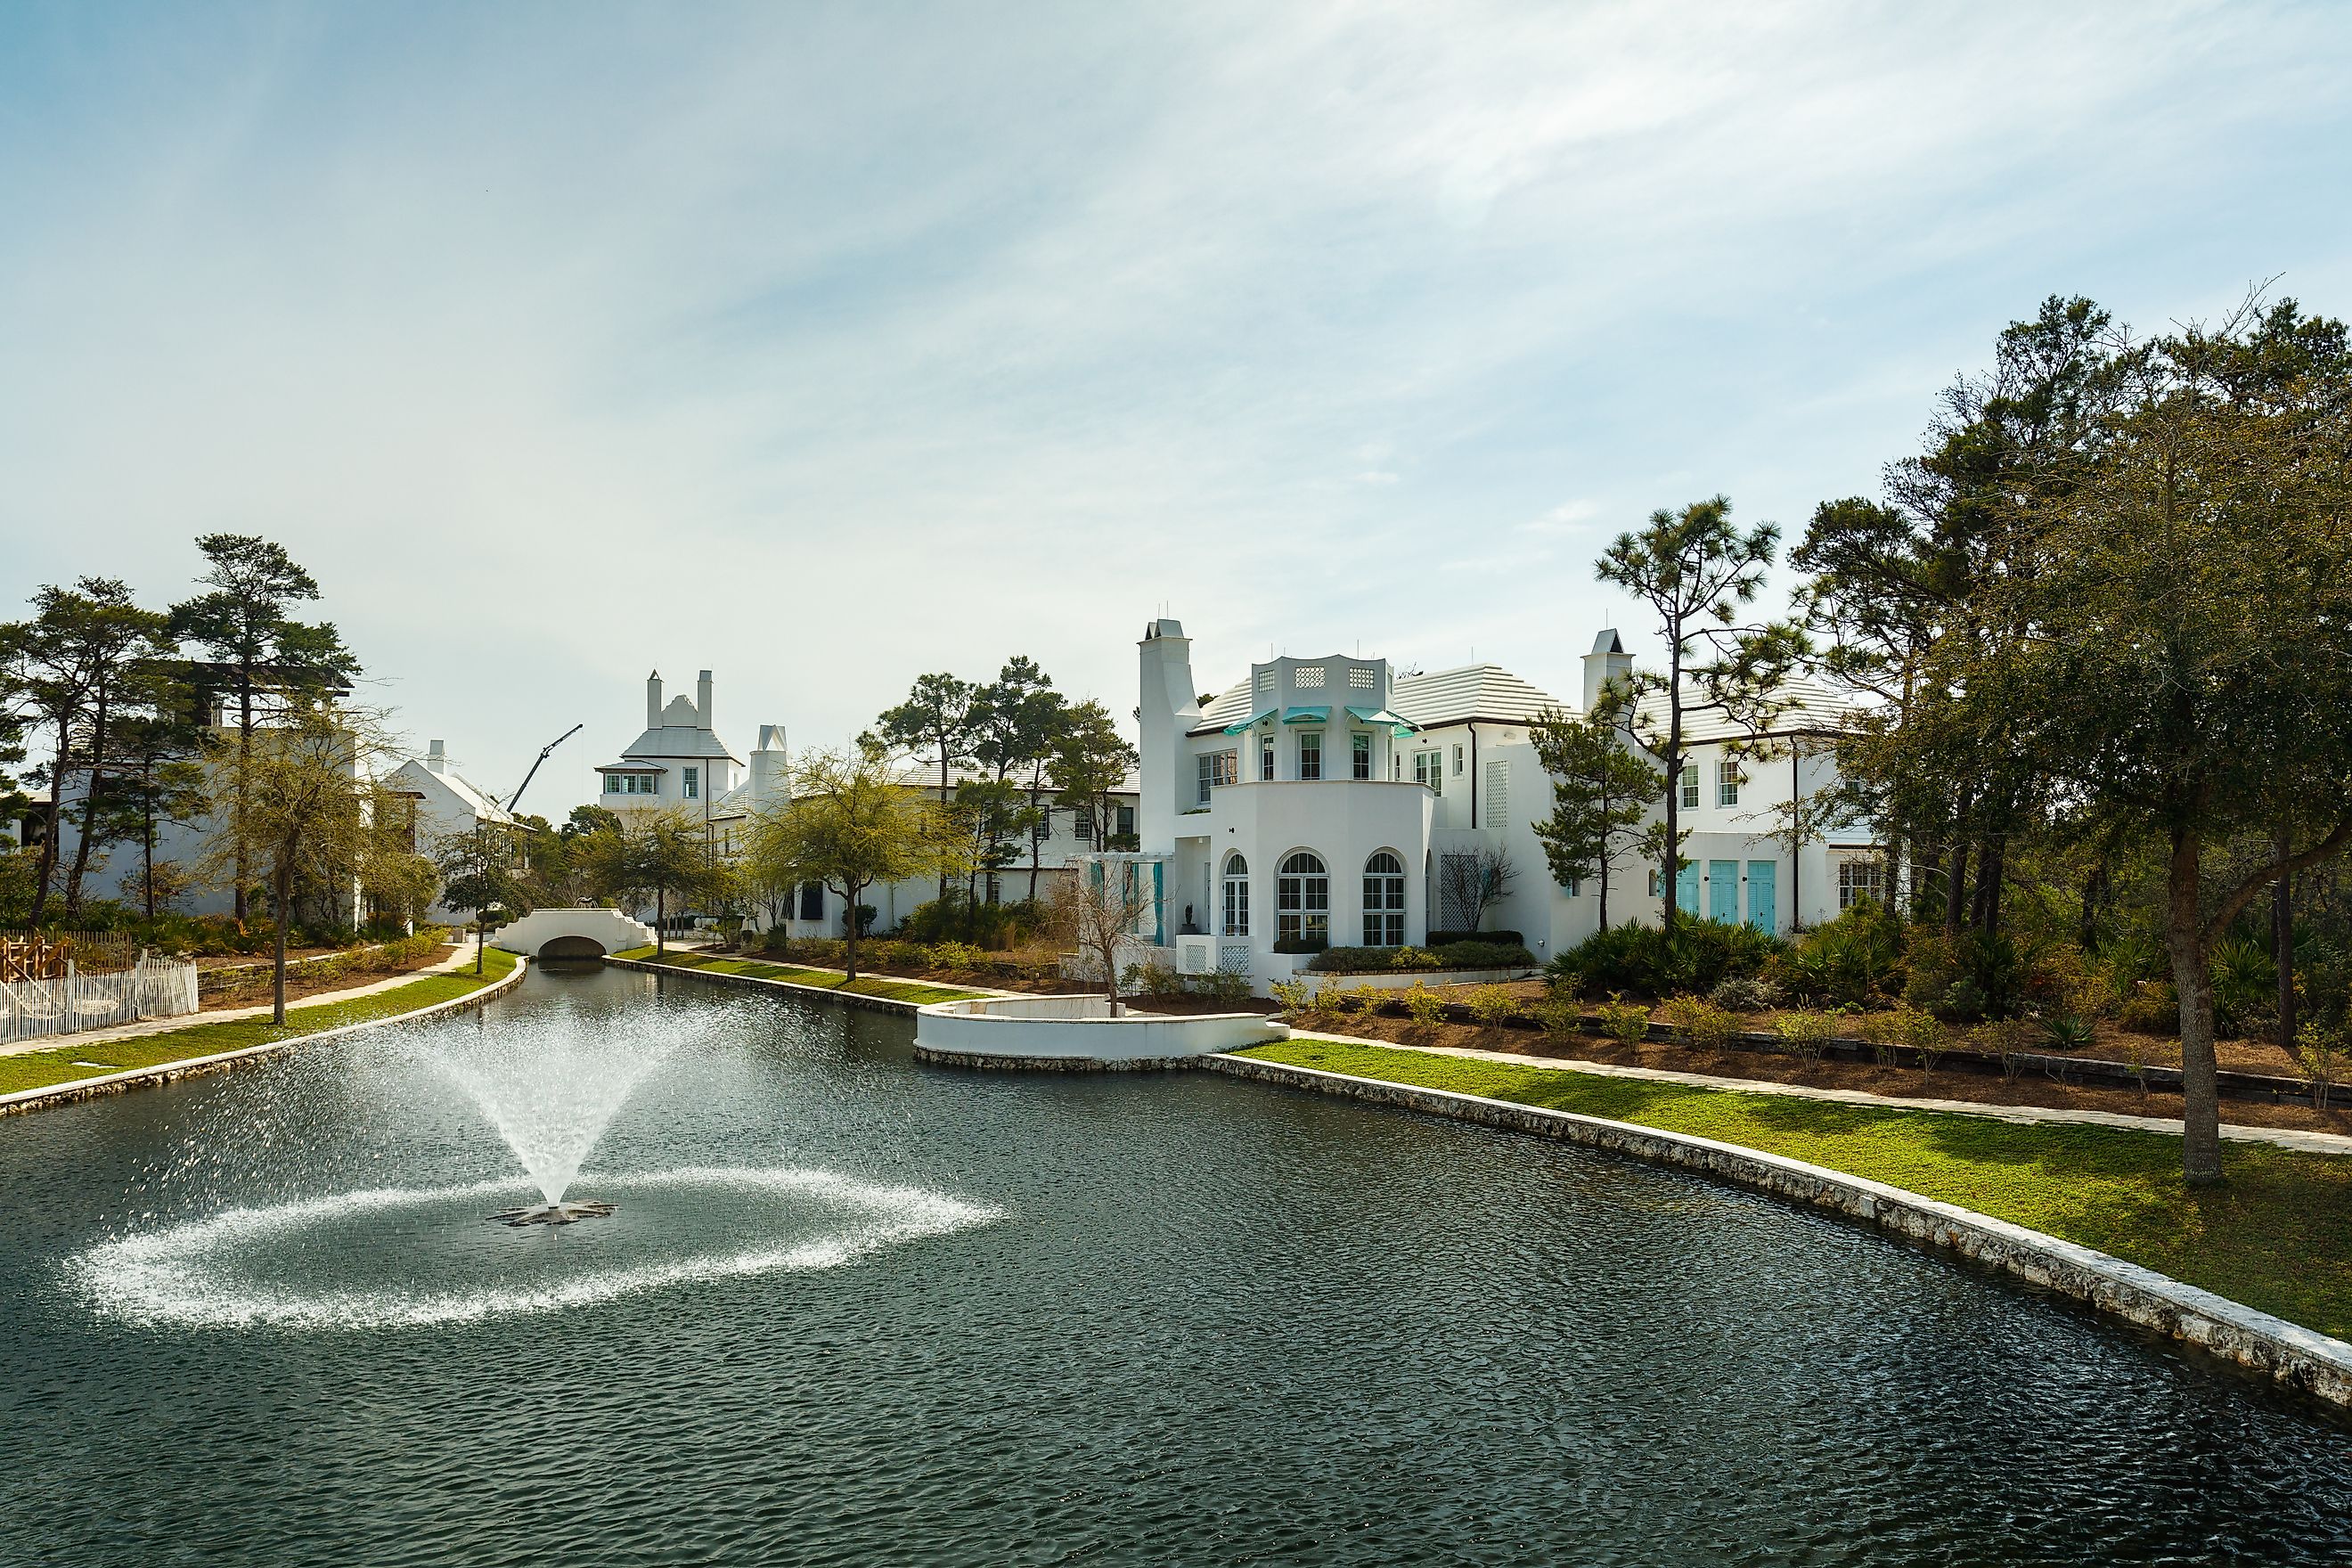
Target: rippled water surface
pixel 854 1311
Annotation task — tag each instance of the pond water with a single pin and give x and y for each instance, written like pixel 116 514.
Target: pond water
pixel 852 1310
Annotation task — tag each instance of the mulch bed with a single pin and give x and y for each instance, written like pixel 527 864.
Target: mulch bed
pixel 1946 1083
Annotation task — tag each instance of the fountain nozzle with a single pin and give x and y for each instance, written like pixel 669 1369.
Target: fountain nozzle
pixel 564 1213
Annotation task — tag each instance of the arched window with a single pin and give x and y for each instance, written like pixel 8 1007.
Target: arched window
pixel 1302 900
pixel 1236 892
pixel 1384 900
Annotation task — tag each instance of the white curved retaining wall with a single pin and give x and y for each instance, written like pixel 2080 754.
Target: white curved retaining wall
pixel 1077 1031
pixel 608 929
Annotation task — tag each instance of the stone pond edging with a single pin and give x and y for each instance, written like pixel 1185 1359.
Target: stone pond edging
pixel 2287 1352
pixel 42 1098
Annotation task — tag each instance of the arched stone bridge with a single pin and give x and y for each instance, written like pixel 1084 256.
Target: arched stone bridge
pixel 571 933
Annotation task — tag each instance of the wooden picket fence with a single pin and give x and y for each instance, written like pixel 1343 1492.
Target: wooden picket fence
pixel 72 1001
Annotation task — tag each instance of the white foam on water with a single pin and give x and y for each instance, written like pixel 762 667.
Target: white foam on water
pixel 181 1274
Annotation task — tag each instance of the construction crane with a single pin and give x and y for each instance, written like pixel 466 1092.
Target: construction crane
pixel 544 752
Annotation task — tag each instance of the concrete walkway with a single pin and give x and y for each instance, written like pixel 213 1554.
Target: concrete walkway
pixel 463 958
pixel 2281 1137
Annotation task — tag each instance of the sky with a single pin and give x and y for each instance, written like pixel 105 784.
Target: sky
pixel 823 346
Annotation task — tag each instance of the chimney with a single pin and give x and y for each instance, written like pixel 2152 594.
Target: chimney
pixel 436 759
pixel 702 698
pixel 653 700
pixel 1606 662
pixel 769 772
pixel 1169 706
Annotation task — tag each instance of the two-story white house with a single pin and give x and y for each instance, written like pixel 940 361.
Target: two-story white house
pixel 679 762
pixel 443 804
pixel 1320 801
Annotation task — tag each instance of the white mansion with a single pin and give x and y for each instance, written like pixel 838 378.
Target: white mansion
pixel 1322 799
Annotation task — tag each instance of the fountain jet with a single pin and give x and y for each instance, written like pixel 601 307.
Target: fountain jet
pixel 565 1212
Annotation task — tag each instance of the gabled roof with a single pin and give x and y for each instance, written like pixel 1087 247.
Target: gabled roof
pixel 680 741
pixel 472 796
pixel 1472 692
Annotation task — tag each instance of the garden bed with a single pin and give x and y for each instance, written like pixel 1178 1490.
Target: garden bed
pixel 1949 1081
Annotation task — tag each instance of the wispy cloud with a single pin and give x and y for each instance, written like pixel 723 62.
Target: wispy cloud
pixel 824 346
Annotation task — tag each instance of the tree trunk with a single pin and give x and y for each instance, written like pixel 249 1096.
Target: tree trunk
pixel 1671 869
pixel 244 780
pixel 661 916
pixel 1037 822
pixel 1955 886
pixel 147 848
pixel 2282 937
pixel 478 943
pixel 1604 892
pixel 281 892
pixel 2200 1102
pixel 45 871
pixel 849 925
pixel 1984 912
pixel 101 709
pixel 2095 898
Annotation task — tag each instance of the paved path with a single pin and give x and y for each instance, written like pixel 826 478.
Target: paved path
pixel 462 958
pixel 2282 1137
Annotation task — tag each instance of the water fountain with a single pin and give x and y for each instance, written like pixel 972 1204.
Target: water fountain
pixel 550 1086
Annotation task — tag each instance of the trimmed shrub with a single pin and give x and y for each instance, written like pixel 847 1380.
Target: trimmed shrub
pixel 1221 986
pixel 1746 993
pixel 1560 1015
pixel 1698 1023
pixel 1492 1006
pixel 1483 956
pixel 1627 1023
pixel 1372 960
pixel 1803 1035
pixel 2152 1008
pixel 1492 938
pixel 1422 1006
pixel 1639 960
pixel 1301 944
pixel 2006 1040
pixel 1292 998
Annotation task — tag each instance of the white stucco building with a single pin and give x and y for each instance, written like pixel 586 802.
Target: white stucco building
pixel 444 803
pixel 680 761
pixel 1319 799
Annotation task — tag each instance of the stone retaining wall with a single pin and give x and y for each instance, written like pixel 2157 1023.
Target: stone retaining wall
pixel 2287 1352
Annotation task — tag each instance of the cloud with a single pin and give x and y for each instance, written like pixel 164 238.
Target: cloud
pixel 824 347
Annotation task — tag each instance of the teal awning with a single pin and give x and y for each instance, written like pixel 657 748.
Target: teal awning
pixel 1306 715
pixel 1381 716
pixel 1252 720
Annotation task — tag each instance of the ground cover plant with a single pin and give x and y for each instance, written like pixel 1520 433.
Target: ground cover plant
pixel 2277 1236
pixel 95 1059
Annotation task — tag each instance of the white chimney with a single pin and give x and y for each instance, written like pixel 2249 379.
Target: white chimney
pixel 1606 662
pixel 768 769
pixel 702 699
pixel 436 759
pixel 1168 706
pixel 653 700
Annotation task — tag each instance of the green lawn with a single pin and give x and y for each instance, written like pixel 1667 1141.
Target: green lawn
pixel 63 1064
pixel 915 990
pixel 2276 1236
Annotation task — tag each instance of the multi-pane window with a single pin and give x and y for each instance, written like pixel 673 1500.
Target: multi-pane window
pixel 1126 820
pixel 812 901
pixel 1726 783
pixel 1236 896
pixel 1217 768
pixel 1457 762
pixel 1082 823
pixel 1310 754
pixel 1202 768
pixel 1429 768
pixel 1265 760
pixel 1359 756
pixel 1860 879
pixel 1690 786
pixel 694 784
pixel 1302 898
pixel 1384 900
pixel 632 783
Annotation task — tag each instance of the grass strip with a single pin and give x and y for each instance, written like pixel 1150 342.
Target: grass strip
pixel 889 990
pixel 2277 1236
pixel 71 1062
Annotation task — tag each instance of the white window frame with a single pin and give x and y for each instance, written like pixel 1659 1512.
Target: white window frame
pixel 1690 786
pixel 1359 756
pixel 1310 766
pixel 1235 905
pixel 1727 780
pixel 1302 898
pixel 694 784
pixel 1385 898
